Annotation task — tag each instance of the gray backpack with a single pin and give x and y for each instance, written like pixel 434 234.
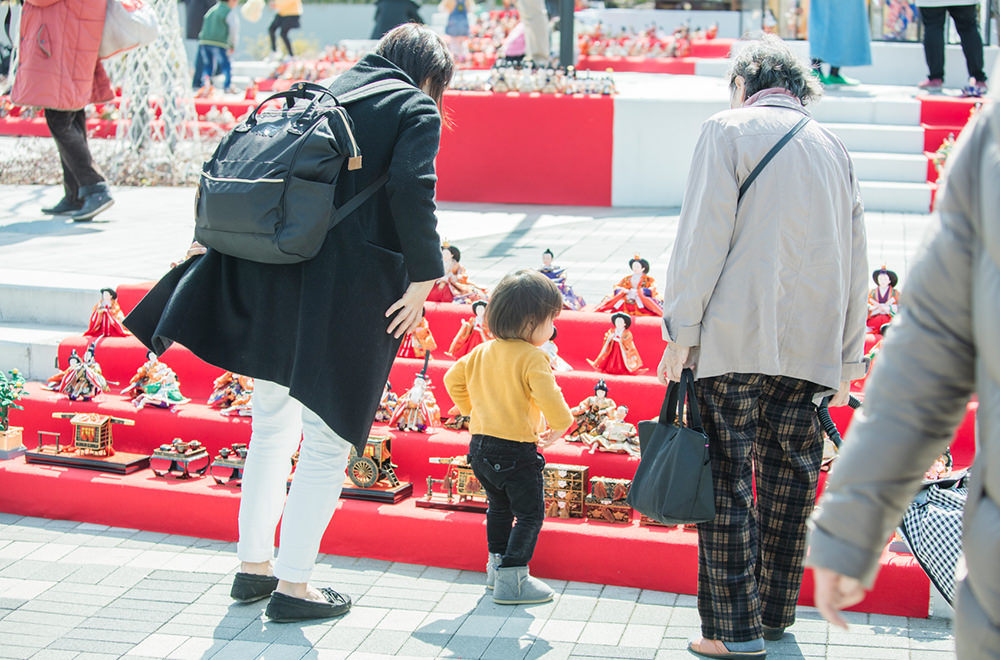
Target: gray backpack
pixel 267 194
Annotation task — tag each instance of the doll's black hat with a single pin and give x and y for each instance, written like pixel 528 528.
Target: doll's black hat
pixel 111 292
pixel 893 279
pixel 601 385
pixel 73 355
pixel 622 315
pixel 549 252
pixel 478 303
pixel 642 262
pixel 456 254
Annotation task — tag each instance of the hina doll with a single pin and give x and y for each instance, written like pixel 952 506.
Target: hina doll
pixel 106 319
pixel 589 413
pixel 454 286
pixel 614 435
pixel 472 332
pixel 231 394
pixel 883 300
pixel 550 349
pixel 417 409
pixel 558 276
pixel 82 379
pixel 155 384
pixel 618 355
pixel 635 294
pixel 387 404
pixel 419 342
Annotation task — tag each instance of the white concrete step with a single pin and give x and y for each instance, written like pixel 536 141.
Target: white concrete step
pixel 896 197
pixel 45 298
pixel 874 138
pixel 863 107
pixel 31 349
pixel 901 168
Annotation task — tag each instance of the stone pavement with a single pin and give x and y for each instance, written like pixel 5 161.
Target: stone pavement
pixel 76 590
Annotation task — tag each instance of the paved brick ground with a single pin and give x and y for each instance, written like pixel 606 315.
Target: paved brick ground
pixel 76 590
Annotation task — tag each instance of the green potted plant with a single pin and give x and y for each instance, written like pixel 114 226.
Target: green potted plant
pixel 11 391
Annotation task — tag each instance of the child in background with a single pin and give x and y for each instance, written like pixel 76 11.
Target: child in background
pixel 217 41
pixel 506 386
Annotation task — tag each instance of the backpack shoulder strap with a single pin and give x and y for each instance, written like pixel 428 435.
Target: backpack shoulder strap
pixel 373 89
pixel 771 154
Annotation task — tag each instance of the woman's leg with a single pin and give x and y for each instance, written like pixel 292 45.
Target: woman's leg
pixel 285 29
pixel 319 478
pixel 68 129
pixel 276 430
pixel 933 18
pixel 967 25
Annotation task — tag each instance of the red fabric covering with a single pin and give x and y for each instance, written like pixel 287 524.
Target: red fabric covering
pixel 567 549
pixel 712 48
pixel 935 135
pixel 945 110
pixel 509 130
pixel 639 64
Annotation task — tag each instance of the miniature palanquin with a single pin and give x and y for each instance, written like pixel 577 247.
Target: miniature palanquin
pixel 92 432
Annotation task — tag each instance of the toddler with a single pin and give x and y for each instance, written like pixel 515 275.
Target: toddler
pixel 506 386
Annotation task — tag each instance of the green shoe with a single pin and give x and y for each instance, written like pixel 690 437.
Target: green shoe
pixel 840 80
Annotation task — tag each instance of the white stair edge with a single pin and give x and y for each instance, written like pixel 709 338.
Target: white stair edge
pixel 32 349
pixel 898 168
pixel 896 197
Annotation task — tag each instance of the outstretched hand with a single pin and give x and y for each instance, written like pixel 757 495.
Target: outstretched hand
pixel 409 309
pixel 835 592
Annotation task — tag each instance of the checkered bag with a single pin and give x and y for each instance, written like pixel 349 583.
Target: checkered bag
pixel 932 527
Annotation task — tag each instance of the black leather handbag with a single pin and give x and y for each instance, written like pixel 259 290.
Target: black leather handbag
pixel 673 483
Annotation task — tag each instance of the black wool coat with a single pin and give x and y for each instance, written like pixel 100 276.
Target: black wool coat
pixel 318 327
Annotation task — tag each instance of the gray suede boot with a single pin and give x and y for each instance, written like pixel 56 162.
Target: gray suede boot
pixel 492 564
pixel 514 586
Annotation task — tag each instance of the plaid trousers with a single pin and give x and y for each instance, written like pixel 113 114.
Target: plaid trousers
pixel 762 430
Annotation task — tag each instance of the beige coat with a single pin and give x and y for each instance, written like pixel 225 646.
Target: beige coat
pixel 776 285
pixel 944 345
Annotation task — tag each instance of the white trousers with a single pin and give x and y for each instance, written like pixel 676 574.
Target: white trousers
pixel 279 422
pixel 536 30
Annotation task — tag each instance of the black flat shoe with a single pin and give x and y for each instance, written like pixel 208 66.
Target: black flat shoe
pixel 285 609
pixel 773 634
pixel 248 587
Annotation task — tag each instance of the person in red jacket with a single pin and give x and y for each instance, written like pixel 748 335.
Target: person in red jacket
pixel 59 70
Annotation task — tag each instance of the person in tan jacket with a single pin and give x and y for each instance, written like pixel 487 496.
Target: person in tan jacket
pixel 765 297
pixel 943 348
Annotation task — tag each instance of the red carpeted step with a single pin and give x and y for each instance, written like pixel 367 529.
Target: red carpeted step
pixel 638 64
pixel 626 555
pixel 945 110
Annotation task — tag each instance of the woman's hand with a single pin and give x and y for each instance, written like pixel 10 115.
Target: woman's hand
pixel 843 395
pixel 193 250
pixel 675 359
pixel 835 592
pixel 409 309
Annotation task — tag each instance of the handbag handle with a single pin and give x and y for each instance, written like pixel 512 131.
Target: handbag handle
pixel 672 410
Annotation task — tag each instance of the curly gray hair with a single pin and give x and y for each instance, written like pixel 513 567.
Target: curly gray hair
pixel 769 62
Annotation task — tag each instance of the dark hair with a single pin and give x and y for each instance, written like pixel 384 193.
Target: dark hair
pixel 621 315
pixel 642 262
pixel 478 303
pixel 456 254
pixel 422 55
pixel 520 302
pixel 769 62
pixel 601 385
pixel 548 252
pixel 555 333
pixel 111 292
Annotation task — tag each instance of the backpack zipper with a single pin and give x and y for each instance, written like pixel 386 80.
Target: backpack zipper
pixel 235 180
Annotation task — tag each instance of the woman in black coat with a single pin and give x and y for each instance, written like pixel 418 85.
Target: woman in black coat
pixel 319 336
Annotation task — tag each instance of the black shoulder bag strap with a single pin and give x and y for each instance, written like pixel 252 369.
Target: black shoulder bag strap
pixel 771 154
pixel 364 92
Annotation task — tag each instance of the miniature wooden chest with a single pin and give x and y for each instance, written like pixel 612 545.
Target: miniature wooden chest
pixel 565 490
pixel 606 501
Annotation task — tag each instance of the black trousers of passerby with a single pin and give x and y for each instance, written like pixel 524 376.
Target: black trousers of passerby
pixel 511 475
pixel 69 130
pixel 967 24
pixel 285 24
pixel 762 430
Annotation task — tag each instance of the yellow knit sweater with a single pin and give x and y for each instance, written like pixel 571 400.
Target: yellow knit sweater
pixel 506 385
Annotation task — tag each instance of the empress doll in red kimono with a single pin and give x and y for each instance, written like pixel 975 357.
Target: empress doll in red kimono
pixel 419 342
pixel 635 294
pixel 883 300
pixel 454 286
pixel 618 355
pixel 472 333
pixel 106 319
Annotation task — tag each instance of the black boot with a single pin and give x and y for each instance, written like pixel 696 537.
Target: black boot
pixel 65 205
pixel 96 198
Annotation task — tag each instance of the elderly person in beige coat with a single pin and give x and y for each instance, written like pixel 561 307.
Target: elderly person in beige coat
pixel 766 297
pixel 944 346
